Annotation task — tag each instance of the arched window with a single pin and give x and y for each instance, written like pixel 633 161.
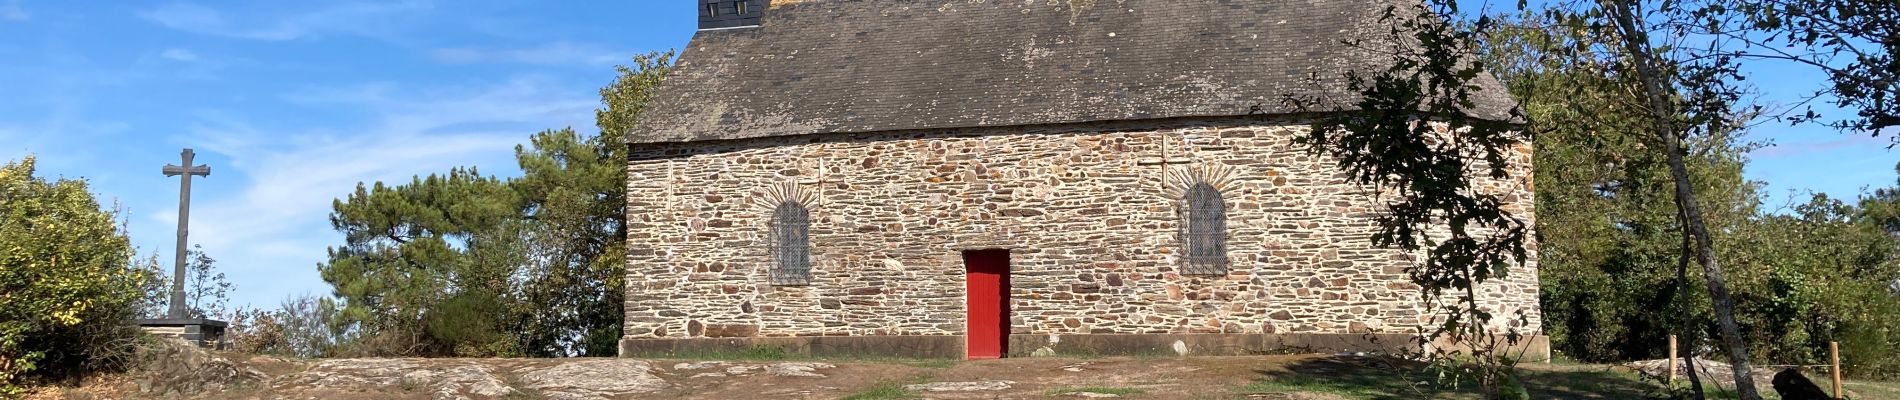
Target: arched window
pixel 791 244
pixel 1206 233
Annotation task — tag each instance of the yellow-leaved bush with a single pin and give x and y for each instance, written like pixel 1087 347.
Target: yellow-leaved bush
pixel 68 287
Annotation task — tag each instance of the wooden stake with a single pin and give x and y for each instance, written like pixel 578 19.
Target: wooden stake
pixel 1671 379
pixel 1834 358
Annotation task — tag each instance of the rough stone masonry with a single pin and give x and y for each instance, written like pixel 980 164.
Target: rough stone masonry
pixel 1085 211
pixel 1064 133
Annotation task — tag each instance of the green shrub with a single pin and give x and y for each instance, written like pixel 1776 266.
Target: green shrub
pixel 67 283
pixel 1870 343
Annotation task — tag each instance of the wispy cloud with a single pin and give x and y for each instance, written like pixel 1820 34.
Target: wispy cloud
pixel 559 53
pixel 294 176
pixel 276 226
pixel 10 11
pixel 177 54
pixel 358 18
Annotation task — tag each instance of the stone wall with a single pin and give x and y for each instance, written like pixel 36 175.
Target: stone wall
pixel 1086 211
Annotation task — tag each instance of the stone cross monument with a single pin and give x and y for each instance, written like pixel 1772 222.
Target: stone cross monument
pixel 178 322
pixel 185 171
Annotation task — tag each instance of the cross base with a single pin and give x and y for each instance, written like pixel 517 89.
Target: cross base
pixel 201 332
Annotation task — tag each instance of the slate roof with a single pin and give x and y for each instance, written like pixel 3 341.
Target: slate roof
pixel 832 66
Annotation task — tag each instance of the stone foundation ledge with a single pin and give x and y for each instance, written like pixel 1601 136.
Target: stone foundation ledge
pixel 1534 348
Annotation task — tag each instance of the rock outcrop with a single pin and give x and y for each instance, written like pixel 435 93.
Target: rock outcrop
pixel 175 368
pixel 594 379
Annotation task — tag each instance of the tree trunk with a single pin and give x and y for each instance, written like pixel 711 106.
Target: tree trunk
pixel 1688 320
pixel 1718 289
pixel 1662 110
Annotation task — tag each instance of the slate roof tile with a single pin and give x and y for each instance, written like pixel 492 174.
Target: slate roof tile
pixel 837 66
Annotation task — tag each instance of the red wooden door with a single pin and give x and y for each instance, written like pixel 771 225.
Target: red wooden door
pixel 987 279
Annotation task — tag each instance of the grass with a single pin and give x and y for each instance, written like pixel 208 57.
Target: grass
pixel 1873 390
pixel 1340 378
pixel 885 390
pixel 881 392
pixel 773 353
pixel 1347 380
pixel 1118 391
pixel 1587 383
pixel 1861 390
pixel 1560 359
pixel 1349 387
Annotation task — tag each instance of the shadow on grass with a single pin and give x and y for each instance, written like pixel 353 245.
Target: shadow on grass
pixel 1380 378
pixel 1587 384
pixel 1348 377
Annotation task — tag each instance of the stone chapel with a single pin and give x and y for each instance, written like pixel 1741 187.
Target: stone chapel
pixel 1004 178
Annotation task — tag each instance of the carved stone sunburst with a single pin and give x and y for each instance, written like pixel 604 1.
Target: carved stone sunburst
pixel 786 191
pixel 1177 181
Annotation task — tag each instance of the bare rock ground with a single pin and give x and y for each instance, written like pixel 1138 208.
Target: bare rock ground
pixel 626 378
pixel 192 374
pixel 469 379
pixel 177 368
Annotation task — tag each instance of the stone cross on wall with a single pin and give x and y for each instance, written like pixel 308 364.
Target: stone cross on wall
pixel 1167 159
pixel 186 171
pixel 818 178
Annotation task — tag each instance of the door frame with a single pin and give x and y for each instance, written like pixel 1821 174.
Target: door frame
pixel 986 261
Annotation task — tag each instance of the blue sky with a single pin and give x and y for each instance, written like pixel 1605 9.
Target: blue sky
pixel 292 103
